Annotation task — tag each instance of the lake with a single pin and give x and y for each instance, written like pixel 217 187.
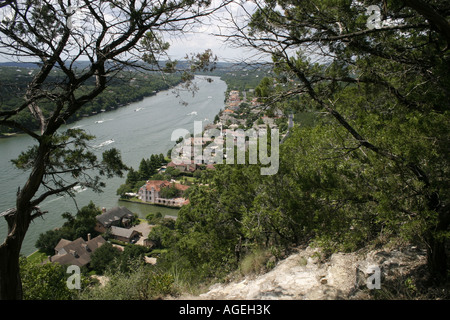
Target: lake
pixel 138 130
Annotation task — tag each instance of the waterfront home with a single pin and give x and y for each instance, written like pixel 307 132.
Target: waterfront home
pixel 228 111
pixel 211 126
pixel 77 252
pixel 200 140
pixel 234 96
pixel 123 234
pixel 151 192
pixel 118 216
pixel 227 118
pixel 255 102
pixel 186 166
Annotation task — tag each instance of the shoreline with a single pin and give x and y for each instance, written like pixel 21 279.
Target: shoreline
pixel 149 203
pixel 8 135
pixel 140 202
pixel 106 110
pixel 15 134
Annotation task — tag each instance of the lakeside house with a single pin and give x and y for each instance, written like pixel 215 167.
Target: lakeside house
pixel 228 111
pixel 77 252
pixel 117 223
pixel 118 216
pixel 186 166
pixel 151 193
pixel 123 234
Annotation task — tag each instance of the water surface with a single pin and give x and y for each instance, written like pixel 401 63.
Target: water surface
pixel 137 130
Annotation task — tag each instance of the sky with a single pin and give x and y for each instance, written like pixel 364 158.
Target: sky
pixel 196 43
pixel 205 37
pixel 202 37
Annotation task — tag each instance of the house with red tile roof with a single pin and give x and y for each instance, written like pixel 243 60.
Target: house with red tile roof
pixel 151 192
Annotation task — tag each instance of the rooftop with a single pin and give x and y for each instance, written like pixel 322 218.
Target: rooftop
pixel 114 214
pixel 77 252
pixel 122 232
pixel 159 184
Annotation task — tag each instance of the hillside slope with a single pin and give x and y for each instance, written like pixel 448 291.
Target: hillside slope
pixel 303 276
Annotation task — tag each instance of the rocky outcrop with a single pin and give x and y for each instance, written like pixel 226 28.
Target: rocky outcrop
pixel 304 276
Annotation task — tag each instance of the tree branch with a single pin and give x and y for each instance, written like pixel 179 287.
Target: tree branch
pixel 47 194
pixel 427 11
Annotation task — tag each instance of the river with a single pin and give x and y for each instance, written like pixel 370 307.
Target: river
pixel 138 130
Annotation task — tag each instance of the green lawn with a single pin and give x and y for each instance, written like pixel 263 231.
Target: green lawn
pixel 37 257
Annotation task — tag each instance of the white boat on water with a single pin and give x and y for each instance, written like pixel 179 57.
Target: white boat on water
pixel 193 113
pixel 138 109
pixel 79 189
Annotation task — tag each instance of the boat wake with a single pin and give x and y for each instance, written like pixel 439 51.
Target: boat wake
pixel 77 189
pixel 103 144
pixel 53 200
pixel 101 121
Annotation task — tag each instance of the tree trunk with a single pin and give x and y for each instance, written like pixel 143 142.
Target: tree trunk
pixel 436 249
pixel 10 282
pixel 18 220
pixel 437 259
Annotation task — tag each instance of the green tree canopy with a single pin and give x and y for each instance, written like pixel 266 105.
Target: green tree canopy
pixel 103 257
pixel 80 225
pixel 44 282
pixel 384 88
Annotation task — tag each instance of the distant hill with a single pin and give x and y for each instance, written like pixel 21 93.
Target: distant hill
pixel 19 65
pixel 83 64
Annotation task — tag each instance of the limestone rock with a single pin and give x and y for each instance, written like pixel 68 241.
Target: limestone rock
pixel 302 276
